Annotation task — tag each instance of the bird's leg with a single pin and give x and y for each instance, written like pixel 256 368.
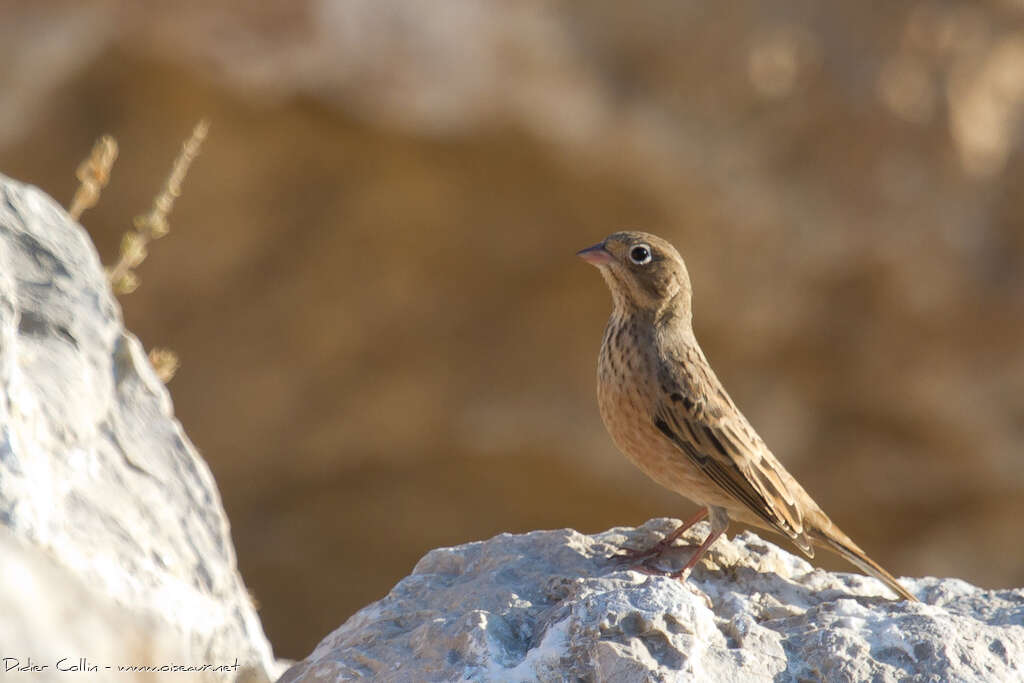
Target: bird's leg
pixel 661 546
pixel 719 523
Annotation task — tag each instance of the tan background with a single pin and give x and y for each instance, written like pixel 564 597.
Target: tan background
pixel 387 342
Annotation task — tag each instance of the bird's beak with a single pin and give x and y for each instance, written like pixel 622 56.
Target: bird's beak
pixel 596 255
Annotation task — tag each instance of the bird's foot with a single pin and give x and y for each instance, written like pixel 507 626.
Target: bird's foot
pixel 648 558
pixel 664 544
pixel 654 551
pixel 683 574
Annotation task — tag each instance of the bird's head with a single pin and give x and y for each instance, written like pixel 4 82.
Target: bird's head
pixel 644 273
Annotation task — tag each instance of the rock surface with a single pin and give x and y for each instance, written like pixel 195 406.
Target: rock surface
pixel 116 548
pixel 553 606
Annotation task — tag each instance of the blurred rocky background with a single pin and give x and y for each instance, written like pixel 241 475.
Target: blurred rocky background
pixel 387 343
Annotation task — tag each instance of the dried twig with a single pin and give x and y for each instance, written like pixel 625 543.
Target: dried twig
pixel 153 225
pixel 148 227
pixel 93 174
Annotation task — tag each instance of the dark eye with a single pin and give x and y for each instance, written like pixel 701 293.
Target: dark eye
pixel 640 254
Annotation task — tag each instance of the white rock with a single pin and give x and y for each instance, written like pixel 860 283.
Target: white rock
pixel 555 606
pixel 110 518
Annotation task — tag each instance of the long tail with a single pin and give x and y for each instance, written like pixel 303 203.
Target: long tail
pixel 839 543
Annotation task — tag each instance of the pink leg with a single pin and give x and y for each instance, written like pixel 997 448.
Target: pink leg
pixel 719 523
pixel 699 553
pixel 663 545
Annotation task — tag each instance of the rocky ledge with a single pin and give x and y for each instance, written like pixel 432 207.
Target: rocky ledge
pixel 556 606
pixel 117 556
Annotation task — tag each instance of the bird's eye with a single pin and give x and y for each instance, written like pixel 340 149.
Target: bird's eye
pixel 640 254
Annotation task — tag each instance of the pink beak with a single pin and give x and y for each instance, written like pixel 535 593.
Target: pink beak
pixel 596 255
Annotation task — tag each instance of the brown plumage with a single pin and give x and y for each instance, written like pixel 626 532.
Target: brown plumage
pixel 669 414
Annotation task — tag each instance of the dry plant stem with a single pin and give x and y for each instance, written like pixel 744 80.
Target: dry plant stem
pixel 150 226
pixel 93 174
pixel 153 225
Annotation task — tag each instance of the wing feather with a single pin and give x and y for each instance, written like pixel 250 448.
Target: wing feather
pixel 697 416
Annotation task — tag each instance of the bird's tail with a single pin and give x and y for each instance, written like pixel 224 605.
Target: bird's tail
pixel 839 543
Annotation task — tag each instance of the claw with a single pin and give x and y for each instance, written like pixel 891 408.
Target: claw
pixel 655 550
pixel 664 544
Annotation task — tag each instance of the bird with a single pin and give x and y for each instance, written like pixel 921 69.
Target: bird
pixel 669 414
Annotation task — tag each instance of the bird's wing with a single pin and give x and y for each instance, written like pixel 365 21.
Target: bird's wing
pixel 696 414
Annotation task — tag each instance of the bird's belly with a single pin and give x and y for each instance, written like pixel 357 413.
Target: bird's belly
pixel 630 422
